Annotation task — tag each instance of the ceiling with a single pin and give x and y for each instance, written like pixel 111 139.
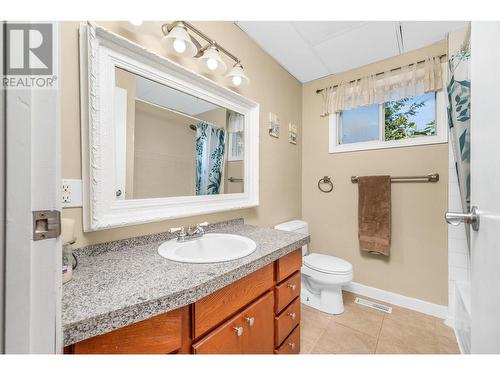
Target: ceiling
pixel 314 49
pixel 167 97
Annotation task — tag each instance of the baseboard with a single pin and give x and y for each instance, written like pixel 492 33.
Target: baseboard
pixel 424 307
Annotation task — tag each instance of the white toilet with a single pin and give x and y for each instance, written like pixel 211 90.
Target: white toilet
pixel 322 275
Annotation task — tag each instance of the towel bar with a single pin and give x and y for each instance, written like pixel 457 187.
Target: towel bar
pixel 431 177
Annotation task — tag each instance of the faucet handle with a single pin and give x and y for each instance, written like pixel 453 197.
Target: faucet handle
pixel 179 230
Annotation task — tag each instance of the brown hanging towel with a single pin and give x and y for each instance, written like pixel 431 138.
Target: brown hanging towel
pixel 374 214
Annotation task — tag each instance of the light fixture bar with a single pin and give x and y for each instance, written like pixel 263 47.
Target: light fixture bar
pixel 166 29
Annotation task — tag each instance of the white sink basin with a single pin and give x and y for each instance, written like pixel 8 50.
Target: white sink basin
pixel 210 248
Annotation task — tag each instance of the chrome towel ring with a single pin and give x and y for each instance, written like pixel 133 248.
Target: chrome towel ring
pixel 326 180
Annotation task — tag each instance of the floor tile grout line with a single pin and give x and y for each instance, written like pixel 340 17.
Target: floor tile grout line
pixel 356 330
pixel 317 340
pixel 379 332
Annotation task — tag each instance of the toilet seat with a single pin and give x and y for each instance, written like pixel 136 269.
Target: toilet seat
pixel 327 264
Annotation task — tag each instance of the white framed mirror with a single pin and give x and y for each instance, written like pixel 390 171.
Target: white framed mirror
pixel 158 140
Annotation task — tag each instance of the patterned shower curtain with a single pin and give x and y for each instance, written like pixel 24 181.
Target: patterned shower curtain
pixel 210 144
pixel 459 106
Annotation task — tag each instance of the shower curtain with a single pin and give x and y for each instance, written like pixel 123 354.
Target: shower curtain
pixel 459 106
pixel 210 144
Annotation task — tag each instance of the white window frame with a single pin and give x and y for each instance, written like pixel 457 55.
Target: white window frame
pixel 230 155
pixel 441 132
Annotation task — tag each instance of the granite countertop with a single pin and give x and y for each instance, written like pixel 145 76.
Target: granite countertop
pixel 123 282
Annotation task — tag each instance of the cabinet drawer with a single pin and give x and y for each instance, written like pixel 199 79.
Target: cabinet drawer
pixel 288 264
pixel 287 291
pixel 220 305
pixel 292 343
pixel 256 336
pixel 285 322
pixel 158 335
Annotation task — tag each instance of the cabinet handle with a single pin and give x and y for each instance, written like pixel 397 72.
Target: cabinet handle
pixel 292 345
pixel 292 315
pixel 250 320
pixel 292 286
pixel 238 330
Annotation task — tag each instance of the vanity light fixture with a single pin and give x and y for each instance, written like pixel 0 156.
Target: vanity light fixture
pixel 211 60
pixel 177 38
pixel 237 76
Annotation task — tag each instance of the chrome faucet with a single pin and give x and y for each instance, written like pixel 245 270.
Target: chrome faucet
pixel 191 233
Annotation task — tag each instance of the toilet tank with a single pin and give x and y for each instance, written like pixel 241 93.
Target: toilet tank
pixel 298 226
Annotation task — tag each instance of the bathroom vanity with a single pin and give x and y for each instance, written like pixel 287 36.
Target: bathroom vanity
pixel 152 305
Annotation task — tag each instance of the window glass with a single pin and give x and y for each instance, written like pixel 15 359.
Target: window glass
pixel 360 124
pixel 410 117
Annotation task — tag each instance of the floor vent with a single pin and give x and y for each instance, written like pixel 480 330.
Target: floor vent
pixel 373 305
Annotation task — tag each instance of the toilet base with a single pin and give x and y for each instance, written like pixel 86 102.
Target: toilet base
pixel 328 300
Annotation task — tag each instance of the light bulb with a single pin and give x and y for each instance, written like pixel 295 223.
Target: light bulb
pixel 179 45
pixel 237 80
pixel 212 63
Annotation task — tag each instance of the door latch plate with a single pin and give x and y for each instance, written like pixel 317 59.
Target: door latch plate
pixel 46 224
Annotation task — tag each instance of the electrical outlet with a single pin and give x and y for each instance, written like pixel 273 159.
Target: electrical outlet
pixel 71 193
pixel 66 193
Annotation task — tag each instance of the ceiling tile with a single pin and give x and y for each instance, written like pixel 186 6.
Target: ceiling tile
pixel 363 45
pixel 313 49
pixel 282 41
pixel 418 34
pixel 315 32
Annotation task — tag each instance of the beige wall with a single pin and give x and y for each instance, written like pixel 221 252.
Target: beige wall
pixel 417 266
pixel 164 153
pixel 271 86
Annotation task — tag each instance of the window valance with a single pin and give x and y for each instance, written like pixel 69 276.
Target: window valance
pixel 410 80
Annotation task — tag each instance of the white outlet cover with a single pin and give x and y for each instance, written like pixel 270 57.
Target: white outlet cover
pixel 74 195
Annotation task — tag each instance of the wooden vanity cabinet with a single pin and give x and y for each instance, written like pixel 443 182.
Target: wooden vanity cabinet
pixel 258 314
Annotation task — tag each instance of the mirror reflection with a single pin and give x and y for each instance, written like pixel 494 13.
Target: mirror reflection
pixel 169 143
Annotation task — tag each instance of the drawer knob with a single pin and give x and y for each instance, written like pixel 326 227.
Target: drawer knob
pixel 238 330
pixel 292 315
pixel 292 345
pixel 292 286
pixel 250 320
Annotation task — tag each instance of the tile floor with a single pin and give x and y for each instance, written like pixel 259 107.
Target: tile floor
pixel 362 330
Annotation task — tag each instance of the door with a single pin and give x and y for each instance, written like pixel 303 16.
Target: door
pixel 33 178
pixel 485 187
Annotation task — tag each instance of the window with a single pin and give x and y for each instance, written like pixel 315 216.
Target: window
pixel 235 146
pixel 404 122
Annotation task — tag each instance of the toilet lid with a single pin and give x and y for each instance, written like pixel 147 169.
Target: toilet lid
pixel 327 264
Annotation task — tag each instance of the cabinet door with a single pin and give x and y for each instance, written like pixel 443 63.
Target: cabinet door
pixel 258 321
pixel 215 308
pixel 250 331
pixel 225 339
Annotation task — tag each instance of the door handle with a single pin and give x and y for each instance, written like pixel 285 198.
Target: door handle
pixel 472 218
